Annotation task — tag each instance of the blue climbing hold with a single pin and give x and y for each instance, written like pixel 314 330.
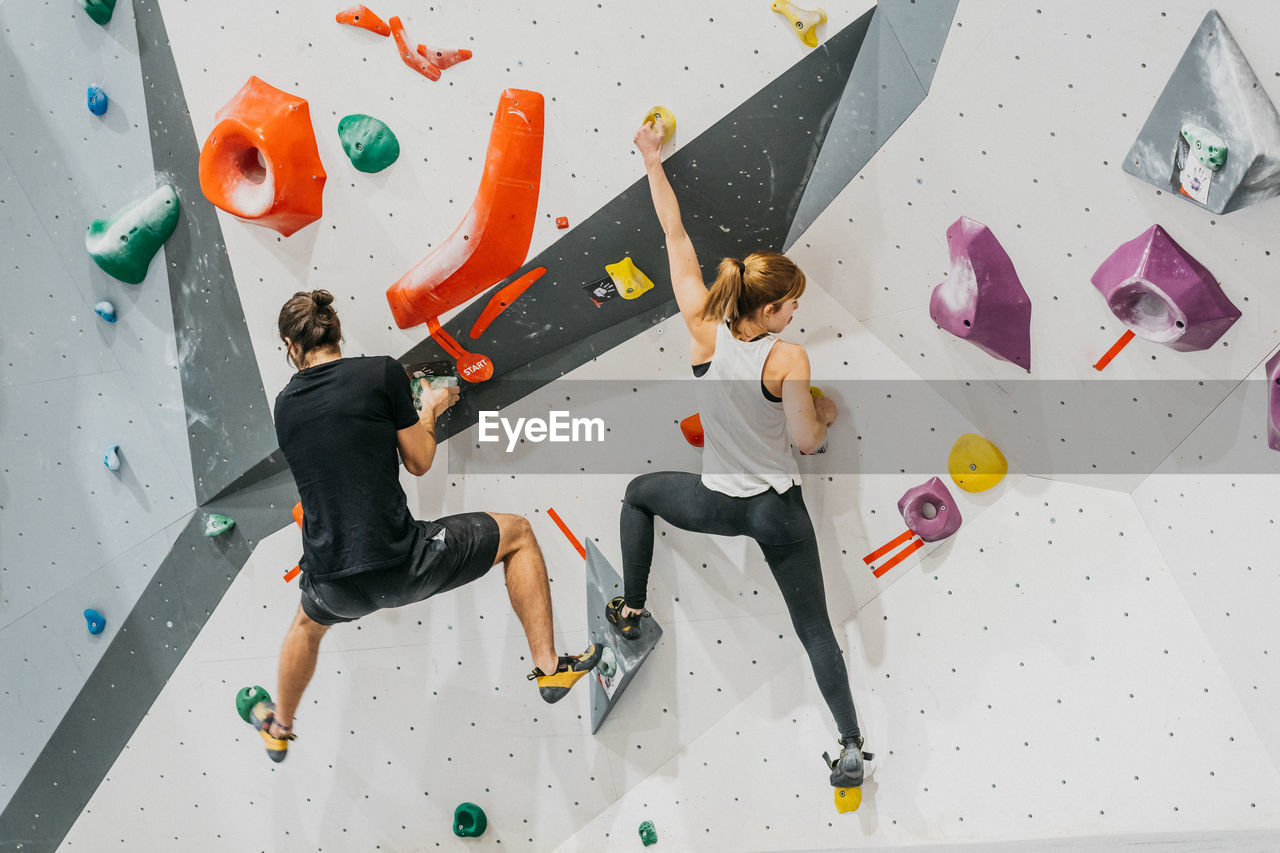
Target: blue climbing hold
pixel 106 311
pixel 96 621
pixel 97 100
pixel 112 459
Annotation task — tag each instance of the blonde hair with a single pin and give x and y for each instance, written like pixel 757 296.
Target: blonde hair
pixel 743 287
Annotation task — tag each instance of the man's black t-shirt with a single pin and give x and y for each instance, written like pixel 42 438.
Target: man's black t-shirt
pixel 336 423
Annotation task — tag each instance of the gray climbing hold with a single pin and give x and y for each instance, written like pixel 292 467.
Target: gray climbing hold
pixel 604 584
pixel 1214 90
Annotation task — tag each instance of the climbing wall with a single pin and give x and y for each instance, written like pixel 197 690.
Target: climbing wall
pixel 1086 664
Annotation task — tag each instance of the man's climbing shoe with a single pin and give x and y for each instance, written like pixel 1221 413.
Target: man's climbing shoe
pixel 553 687
pixel 628 626
pixel 262 715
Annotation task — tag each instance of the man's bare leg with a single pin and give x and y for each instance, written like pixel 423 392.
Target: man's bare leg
pixel 527 586
pixel 297 665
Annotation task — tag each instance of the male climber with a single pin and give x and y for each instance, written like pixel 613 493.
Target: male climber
pixel 345 425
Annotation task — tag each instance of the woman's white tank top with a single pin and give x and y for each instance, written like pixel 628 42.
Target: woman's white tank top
pixel 746 446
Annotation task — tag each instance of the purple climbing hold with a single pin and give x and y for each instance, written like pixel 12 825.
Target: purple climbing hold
pixel 1273 402
pixel 982 299
pixel 1163 294
pixel 929 511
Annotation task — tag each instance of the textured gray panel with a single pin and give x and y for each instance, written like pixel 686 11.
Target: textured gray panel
pixel 49 328
pixel 881 92
pixel 922 30
pixel 1213 86
pixel 228 415
pixel 48 653
pixel 137 664
pixel 67 514
pixel 603 584
pixel 74 167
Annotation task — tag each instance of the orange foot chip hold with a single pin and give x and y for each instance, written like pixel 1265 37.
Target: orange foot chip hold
pixel 493 238
pixel 443 59
pixel 260 161
pixel 363 17
pixel 418 63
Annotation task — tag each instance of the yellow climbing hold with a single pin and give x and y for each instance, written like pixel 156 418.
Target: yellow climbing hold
pixel 816 393
pixel 848 799
pixel 628 278
pixel 804 22
pixel 976 464
pixel 668 121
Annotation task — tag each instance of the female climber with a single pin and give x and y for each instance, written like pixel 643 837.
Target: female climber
pixel 756 404
pixel 345 425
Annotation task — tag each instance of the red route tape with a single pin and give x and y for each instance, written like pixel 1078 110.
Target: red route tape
pixel 1115 349
pixel 899 557
pixel 887 547
pixel 564 528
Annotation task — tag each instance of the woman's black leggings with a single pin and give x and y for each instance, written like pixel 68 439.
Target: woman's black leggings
pixel 781 527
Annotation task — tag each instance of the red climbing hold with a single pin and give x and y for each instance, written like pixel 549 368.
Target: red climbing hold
pixel 493 238
pixel 362 17
pixel 692 429
pixel 562 222
pixel 443 59
pixel 411 59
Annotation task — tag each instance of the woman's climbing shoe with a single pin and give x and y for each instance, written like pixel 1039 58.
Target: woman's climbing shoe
pixel 262 715
pixel 847 770
pixel 553 687
pixel 628 626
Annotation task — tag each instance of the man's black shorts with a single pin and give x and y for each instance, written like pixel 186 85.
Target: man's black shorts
pixel 467 551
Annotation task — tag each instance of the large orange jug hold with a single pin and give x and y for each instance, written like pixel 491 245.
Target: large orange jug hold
pixel 260 161
pixel 493 238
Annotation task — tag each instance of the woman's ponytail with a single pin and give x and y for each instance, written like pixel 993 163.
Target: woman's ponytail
pixel 744 286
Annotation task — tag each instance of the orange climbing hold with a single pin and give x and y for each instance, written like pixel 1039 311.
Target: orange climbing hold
pixel 297 513
pixel 260 161
pixel 418 63
pixel 443 59
pixel 362 17
pixel 493 238
pixel 501 300
pixel 692 429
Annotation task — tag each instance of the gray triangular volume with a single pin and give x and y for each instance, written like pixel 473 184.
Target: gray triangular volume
pixel 882 90
pixel 1213 88
pixel 922 30
pixel 603 584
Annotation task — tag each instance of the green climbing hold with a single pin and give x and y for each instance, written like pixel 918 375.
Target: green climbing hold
pixel 247 698
pixel 124 244
pixel 369 143
pixel 608 666
pixel 1209 148
pixel 216 524
pixel 648 834
pixel 469 821
pixel 99 10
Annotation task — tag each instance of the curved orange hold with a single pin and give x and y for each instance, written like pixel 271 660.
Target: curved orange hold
pixel 692 429
pixel 493 238
pixel 443 59
pixel 297 513
pixel 411 59
pixel 260 161
pixel 502 300
pixel 363 17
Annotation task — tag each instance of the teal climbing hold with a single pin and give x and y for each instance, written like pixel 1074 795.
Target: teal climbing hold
pixel 112 457
pixel 106 311
pixel 648 834
pixel 247 698
pixel 369 143
pixel 217 524
pixel 1209 147
pixel 96 621
pixel 469 821
pixel 99 10
pixel 97 100
pixel 124 244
